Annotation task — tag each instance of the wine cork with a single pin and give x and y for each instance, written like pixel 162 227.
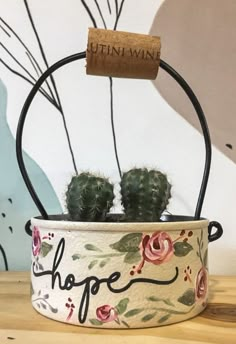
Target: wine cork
pixel 122 54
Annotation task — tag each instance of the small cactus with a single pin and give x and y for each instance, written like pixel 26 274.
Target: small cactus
pixel 145 194
pixel 89 197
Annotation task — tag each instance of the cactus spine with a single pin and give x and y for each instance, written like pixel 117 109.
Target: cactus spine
pixel 89 197
pixel 145 194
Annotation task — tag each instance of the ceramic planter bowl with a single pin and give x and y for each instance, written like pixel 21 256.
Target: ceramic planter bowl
pixel 116 274
pixel 120 275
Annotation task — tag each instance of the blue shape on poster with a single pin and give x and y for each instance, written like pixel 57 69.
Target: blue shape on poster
pixel 16 205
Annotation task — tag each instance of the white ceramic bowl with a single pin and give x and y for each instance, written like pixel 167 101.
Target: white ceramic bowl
pixel 119 275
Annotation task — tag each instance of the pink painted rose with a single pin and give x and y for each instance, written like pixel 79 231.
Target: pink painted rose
pixel 36 245
pixel 201 284
pixel 158 248
pixel 106 313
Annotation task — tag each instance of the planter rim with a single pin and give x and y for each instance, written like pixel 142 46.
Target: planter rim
pixel 61 224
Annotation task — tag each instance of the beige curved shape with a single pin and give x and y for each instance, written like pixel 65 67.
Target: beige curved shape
pixel 199 41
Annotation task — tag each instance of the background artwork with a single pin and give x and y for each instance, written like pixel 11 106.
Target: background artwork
pixel 206 56
pixel 15 202
pixel 29 74
pixel 71 123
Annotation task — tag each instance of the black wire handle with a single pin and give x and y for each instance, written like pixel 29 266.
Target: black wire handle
pixel 80 56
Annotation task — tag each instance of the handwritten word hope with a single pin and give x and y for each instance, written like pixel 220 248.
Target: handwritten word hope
pixel 90 284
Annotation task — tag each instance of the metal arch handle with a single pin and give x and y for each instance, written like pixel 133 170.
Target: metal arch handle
pixel 80 56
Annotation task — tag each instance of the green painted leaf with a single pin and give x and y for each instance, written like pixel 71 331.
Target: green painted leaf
pixel 132 257
pixel 125 323
pixel 148 317
pixel 53 310
pixel 76 256
pixel 133 312
pixel 188 297
pixel 205 258
pixel 201 235
pixel 168 302
pixel 45 249
pixel 122 306
pixel 92 264
pixel 182 248
pixel 95 322
pixel 31 289
pixel 128 243
pixel 43 305
pixel 40 266
pixel 158 299
pixel 104 262
pixel 91 247
pixel 153 298
pixel 164 318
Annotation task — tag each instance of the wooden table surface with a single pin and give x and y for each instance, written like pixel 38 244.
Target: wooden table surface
pixel 20 324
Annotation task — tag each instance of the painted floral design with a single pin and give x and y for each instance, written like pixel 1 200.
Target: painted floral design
pixel 36 241
pixel 201 284
pixel 37 265
pixel 121 314
pixel 48 236
pixel 187 274
pixel 138 248
pixel 106 313
pixel 96 256
pixel 158 248
pixel 42 302
pixel 203 256
pixel 70 306
pixel 39 246
pixel 198 290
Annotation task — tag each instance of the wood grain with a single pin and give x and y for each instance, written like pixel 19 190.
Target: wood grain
pixel 18 320
pixel 223 312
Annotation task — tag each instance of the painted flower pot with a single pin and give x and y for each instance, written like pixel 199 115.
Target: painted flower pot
pixel 120 275
pixel 114 274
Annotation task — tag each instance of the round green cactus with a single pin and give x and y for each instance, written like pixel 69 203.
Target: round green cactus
pixel 145 194
pixel 89 197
